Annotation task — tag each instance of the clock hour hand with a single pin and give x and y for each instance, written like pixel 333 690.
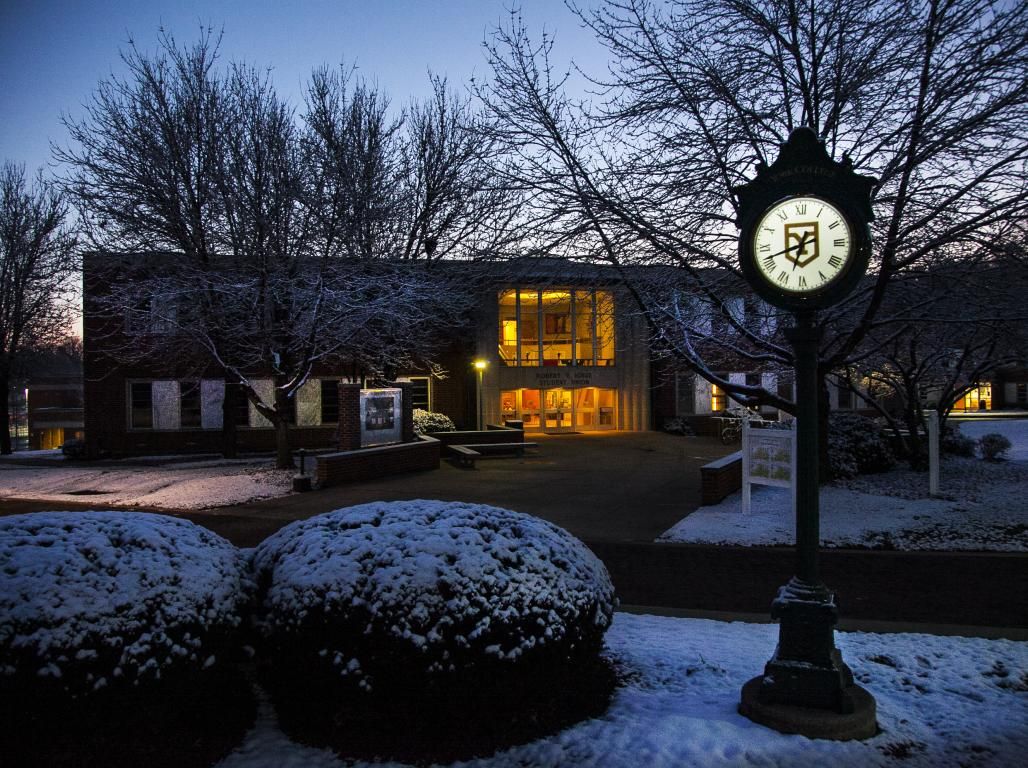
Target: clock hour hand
pixel 799 247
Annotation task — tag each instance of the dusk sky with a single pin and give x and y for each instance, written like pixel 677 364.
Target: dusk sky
pixel 54 52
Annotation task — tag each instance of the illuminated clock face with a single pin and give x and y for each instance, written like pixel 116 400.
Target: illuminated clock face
pixel 802 244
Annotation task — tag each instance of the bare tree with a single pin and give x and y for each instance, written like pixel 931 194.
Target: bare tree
pixel 457 207
pixel 243 241
pixel 952 328
pixel 931 98
pixel 38 263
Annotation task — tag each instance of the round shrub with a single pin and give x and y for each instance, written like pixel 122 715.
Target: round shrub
pixel 856 445
pixel 955 442
pixel 467 623
pixel 110 616
pixel 430 421
pixel 993 445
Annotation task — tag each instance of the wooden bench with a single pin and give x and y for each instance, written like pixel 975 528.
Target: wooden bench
pixel 466 455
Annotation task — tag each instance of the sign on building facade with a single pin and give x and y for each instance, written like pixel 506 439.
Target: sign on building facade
pixel 381 416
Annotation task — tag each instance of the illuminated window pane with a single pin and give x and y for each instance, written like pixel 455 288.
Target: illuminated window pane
pixel 718 398
pixel 585 317
pixel 508 347
pixel 529 298
pixel 556 305
pixel 604 328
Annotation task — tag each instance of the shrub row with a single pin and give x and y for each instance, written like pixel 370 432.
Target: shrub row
pixel 442 613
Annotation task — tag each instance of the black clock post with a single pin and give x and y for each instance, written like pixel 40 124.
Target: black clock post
pixel 806 687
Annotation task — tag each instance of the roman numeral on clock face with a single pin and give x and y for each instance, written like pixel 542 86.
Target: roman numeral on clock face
pixel 769 263
pixel 835 260
pixel 766 247
pixel 840 242
pixel 834 224
pixel 783 277
pixel 803 282
pixel 801 209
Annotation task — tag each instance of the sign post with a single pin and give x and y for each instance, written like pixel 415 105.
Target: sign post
pixel 933 453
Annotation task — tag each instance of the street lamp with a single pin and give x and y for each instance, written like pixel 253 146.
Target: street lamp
pixel 480 366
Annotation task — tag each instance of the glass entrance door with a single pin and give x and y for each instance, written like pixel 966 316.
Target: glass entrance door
pixel 557 414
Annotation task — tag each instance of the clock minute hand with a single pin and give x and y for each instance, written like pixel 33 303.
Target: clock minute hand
pixel 798 245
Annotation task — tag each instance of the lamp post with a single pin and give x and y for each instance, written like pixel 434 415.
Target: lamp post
pixel 480 366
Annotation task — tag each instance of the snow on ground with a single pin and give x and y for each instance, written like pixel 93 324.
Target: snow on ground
pixel 1015 430
pixel 942 701
pixel 982 506
pixel 197 485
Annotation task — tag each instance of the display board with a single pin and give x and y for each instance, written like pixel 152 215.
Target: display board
pixel 768 458
pixel 381 417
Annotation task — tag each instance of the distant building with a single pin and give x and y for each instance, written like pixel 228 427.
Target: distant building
pixel 564 346
pixel 55 411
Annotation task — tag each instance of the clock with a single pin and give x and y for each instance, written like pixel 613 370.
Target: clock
pixel 803 251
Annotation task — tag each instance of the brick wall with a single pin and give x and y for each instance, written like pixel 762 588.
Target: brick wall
pixel 369 463
pixel 721 478
pixel 348 433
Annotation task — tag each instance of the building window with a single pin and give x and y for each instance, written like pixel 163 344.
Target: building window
pixel 978 398
pixel 555 326
pixel 189 405
pixel 141 406
pixel 1021 393
pixel 845 396
pixel 420 393
pixel 718 398
pixel 330 401
pixel 240 405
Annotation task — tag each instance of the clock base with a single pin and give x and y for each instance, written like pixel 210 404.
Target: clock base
pixel 806 687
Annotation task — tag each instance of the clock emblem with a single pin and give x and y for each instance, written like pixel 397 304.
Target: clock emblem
pixel 802 244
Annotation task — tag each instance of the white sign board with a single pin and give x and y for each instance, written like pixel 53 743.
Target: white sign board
pixel 768 458
pixel 381 417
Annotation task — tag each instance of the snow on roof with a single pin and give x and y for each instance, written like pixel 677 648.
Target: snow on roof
pixel 132 592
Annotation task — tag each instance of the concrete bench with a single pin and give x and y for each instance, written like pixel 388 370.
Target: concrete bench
pixel 466 455
pixel 721 478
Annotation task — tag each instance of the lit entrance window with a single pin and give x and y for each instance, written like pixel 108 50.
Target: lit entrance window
pixel 555 327
pixel 583 409
pixel 977 399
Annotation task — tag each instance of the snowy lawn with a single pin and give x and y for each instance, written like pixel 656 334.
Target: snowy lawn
pixel 942 701
pixel 196 485
pixel 983 506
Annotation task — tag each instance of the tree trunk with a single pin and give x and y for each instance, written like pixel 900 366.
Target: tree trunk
pixel 283 456
pixel 228 419
pixel 5 415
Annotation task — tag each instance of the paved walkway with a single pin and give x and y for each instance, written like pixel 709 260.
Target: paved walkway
pixel 627 486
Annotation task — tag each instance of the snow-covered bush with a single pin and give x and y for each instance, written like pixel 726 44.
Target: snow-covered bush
pixel 955 442
pixel 115 628
pixel 92 600
pixel 678 426
pixel 445 616
pixel 430 421
pixel 993 445
pixel 856 445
